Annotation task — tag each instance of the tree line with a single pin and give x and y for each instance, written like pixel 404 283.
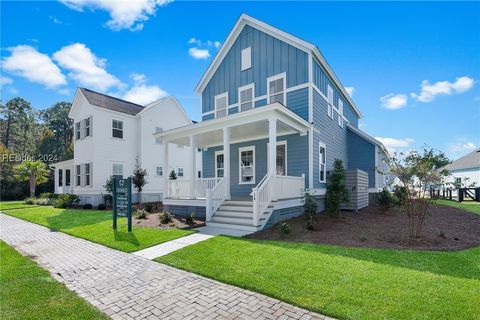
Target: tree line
pixel 29 134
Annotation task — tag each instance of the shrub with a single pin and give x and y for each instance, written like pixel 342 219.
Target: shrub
pixel 101 206
pixel 140 214
pixel 87 206
pixel 38 201
pixel 385 200
pixel 286 228
pixel 165 217
pixel 66 201
pixel 400 195
pixel 107 199
pixel 337 192
pixel 149 207
pixel 310 210
pixel 48 195
pixel 29 200
pixel 190 219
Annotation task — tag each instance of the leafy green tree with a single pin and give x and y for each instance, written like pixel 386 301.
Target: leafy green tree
pixel 35 172
pixel 57 121
pixel 139 180
pixel 337 192
pixel 310 210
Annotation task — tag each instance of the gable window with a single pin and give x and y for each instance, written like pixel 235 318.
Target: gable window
pixel 246 58
pixel 87 174
pixel 77 131
pixel 322 159
pixel 330 101
pixel 180 172
pixel 219 164
pixel 67 177
pixel 245 97
pixel 86 127
pixel 159 171
pixel 117 129
pixel 247 165
pixel 276 89
pixel 340 113
pixel 78 175
pixel 117 170
pixel 221 104
pixel 60 177
pixel 158 140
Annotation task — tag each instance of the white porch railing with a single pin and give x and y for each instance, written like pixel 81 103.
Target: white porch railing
pixel 202 185
pixel 179 188
pixel 289 187
pixel 215 197
pixel 262 196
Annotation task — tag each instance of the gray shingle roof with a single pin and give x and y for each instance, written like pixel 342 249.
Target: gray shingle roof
pixel 470 160
pixel 108 102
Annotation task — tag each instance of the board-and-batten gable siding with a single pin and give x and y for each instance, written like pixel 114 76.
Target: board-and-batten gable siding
pixel 361 155
pixel 270 56
pixel 321 81
pixel 297 161
pixel 331 134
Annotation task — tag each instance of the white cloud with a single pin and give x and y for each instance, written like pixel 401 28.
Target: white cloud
pixel 55 20
pixel 86 68
pixel 394 101
pixel 199 53
pixel 123 14
pixel 462 147
pixel 430 91
pixel 395 145
pixel 27 62
pixel 5 80
pixel 350 91
pixel 141 93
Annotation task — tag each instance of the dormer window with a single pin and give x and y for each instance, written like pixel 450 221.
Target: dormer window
pixel 276 89
pixel 246 58
pixel 221 104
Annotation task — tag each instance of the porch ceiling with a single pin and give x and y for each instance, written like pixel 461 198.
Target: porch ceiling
pixel 244 126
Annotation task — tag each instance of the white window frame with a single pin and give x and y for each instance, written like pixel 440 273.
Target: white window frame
pixel 330 101
pixel 78 131
pixel 320 163
pixel 282 142
pixel 244 149
pixel 157 139
pixel 89 174
pixel 68 182
pixel 340 112
pixel 283 76
pixel 89 127
pixel 218 96
pixel 60 177
pixel 250 86
pixel 117 164
pixel 157 173
pixel 123 129
pixel 217 153
pixel 178 172
pixel 246 58
pixel 78 175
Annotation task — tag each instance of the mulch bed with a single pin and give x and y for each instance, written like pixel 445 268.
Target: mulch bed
pixel 153 221
pixel 446 228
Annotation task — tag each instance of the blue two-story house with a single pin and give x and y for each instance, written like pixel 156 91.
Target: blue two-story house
pixel 274 119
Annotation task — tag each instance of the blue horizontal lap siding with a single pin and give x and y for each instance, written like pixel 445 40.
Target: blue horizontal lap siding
pixel 185 210
pixel 361 155
pixel 270 56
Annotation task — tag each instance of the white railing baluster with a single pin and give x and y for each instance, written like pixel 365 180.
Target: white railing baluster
pixel 180 188
pixel 215 197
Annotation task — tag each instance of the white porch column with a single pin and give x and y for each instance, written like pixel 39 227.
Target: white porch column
pixel 166 172
pixel 193 166
pixel 226 159
pixel 272 152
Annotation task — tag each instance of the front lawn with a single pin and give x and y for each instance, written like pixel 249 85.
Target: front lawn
pixel 8 205
pixel 470 206
pixel 96 226
pixel 342 282
pixel 29 292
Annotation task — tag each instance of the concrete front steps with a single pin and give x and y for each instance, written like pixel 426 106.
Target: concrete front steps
pixel 234 215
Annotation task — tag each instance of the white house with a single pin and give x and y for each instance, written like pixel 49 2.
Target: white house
pixel 465 171
pixel 111 135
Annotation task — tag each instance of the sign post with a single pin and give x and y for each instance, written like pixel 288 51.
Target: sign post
pixel 122 201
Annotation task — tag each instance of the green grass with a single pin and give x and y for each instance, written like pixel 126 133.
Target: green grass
pixel 346 283
pixel 29 292
pixel 96 226
pixel 9 205
pixel 470 206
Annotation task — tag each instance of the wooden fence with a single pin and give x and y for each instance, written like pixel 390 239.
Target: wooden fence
pixel 459 194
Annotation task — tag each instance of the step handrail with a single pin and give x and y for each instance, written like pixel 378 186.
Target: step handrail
pixel 262 195
pixel 215 197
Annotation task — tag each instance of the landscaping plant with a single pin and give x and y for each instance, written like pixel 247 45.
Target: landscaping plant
pixel 139 180
pixel 140 214
pixel 337 192
pixel 286 228
pixel 87 206
pixel 149 207
pixel 165 217
pixel 35 172
pixel 309 209
pixel 417 172
pixel 190 219
pixel 385 200
pixel 172 175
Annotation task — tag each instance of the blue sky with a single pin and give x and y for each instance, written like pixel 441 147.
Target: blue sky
pixel 414 67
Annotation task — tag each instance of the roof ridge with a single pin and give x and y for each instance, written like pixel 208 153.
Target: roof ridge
pixel 112 97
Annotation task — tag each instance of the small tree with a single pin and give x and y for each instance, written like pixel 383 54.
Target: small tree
pixel 417 173
pixel 310 210
pixel 337 192
pixel 172 175
pixel 35 172
pixel 139 180
pixel 109 184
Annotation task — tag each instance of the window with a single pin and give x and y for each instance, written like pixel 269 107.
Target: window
pixel 77 131
pixel 60 177
pixel 117 129
pixel 276 89
pixel 340 113
pixel 247 165
pixel 87 174
pixel 86 127
pixel 458 182
pixel 330 101
pixel 219 164
pixel 221 104
pixel 78 175
pixel 245 97
pixel 158 140
pixel 282 159
pixel 67 177
pixel 199 174
pixel 322 159
pixel 180 172
pixel 117 170
pixel 246 58
pixel 159 171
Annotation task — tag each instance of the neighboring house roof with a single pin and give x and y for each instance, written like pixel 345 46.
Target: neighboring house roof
pixel 468 161
pixel 368 137
pixel 108 102
pixel 277 33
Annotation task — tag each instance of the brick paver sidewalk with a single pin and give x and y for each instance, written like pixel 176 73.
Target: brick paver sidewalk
pixel 126 286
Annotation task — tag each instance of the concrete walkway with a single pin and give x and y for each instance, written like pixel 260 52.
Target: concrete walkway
pixel 126 286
